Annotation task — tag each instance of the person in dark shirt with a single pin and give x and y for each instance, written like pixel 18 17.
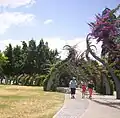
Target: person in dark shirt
pixel 90 88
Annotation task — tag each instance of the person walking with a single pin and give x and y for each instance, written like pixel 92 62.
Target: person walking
pixel 73 85
pixel 90 88
pixel 83 89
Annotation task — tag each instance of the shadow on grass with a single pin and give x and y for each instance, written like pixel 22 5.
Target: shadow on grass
pixel 110 104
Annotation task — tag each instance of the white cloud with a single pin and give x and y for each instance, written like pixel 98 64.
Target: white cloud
pixel 7 19
pixel 49 21
pixel 57 43
pixel 16 3
pixel 4 43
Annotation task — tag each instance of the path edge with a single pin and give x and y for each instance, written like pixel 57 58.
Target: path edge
pixel 59 110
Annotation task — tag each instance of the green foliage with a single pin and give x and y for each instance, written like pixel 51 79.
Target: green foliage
pixel 29 59
pixel 26 80
pixel 117 72
pixel 3 61
pixel 28 64
pixel 39 80
pixel 8 68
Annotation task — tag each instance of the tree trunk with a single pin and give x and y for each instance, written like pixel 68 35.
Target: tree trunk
pixel 117 83
pixel 110 69
pixel 52 81
pixel 106 83
pixel 118 93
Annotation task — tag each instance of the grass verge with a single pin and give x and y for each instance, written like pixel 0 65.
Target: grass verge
pixel 28 102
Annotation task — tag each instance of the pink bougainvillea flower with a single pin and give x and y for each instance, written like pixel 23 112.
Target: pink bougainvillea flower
pixel 104 26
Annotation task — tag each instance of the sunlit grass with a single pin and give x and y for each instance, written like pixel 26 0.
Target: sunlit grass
pixel 3 106
pixel 28 102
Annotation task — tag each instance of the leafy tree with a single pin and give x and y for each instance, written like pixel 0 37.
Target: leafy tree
pixel 3 61
pixel 106 29
pixel 30 60
pixel 17 60
pixel 8 68
pixel 31 57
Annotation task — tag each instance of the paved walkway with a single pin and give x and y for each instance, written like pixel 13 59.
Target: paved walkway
pixel 73 108
pixel 99 107
pixel 103 107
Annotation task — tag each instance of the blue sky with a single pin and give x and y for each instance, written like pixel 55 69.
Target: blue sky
pixel 60 19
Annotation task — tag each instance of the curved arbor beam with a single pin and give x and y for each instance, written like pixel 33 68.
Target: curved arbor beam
pixel 110 69
pixel 76 60
pixel 106 81
pixel 56 72
pixel 72 64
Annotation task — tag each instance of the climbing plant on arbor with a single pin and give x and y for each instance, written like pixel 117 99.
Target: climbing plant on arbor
pixel 106 28
pixel 74 65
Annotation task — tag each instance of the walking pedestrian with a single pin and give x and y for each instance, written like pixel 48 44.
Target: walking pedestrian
pixel 83 89
pixel 90 88
pixel 73 85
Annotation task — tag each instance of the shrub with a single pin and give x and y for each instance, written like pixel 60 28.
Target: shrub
pixel 39 80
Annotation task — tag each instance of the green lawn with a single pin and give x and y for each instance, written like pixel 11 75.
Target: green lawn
pixel 28 102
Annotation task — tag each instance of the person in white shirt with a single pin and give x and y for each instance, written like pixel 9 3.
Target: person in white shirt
pixel 73 85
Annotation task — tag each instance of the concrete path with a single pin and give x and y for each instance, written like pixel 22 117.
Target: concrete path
pixel 98 107
pixel 103 107
pixel 73 108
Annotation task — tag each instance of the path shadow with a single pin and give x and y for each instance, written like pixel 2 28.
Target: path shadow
pixel 110 104
pixel 105 99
